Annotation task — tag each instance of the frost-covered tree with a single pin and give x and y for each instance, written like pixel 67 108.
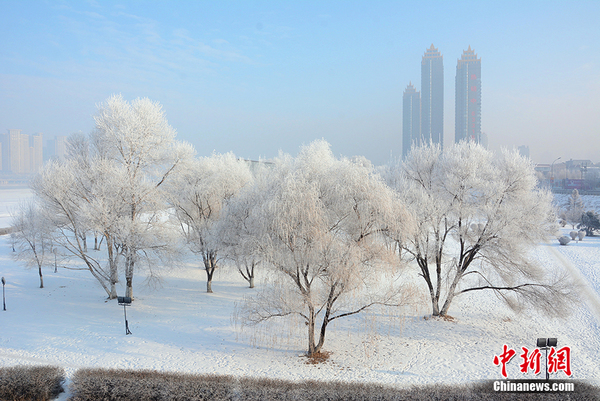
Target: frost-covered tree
pixel 72 204
pixel 590 222
pixel 78 150
pixel 238 224
pixel 101 207
pixel 32 239
pixel 236 228
pixel 478 215
pixel 574 209
pixel 113 184
pixel 139 144
pixel 318 223
pixel 198 195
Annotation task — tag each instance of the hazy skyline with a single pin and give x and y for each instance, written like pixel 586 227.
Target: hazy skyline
pixel 257 77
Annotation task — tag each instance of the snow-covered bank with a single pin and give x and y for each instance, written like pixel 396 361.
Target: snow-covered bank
pixel 9 201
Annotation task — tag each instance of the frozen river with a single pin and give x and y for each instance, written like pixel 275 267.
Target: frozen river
pixel 9 200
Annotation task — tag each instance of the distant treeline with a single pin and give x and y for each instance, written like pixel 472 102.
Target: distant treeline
pixel 6 230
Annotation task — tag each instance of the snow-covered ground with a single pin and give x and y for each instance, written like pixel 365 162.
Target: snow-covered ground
pixel 179 327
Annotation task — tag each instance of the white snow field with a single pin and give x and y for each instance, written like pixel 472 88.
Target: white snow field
pixel 179 327
pixel 9 201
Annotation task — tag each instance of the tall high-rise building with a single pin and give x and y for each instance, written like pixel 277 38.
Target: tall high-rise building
pixel 467 121
pixel 21 154
pixel 16 151
pixel 411 119
pixel 60 146
pixel 36 158
pixel 5 151
pixel 432 97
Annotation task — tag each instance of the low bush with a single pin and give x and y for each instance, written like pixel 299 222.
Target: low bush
pixel 23 383
pixel 116 385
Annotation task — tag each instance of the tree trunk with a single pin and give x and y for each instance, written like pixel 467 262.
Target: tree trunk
pixel 41 277
pixel 113 291
pixel 247 272
pixel 451 293
pixel 129 287
pixel 322 334
pixel 210 264
pixel 434 297
pixel 100 279
pixel 251 275
pixel 446 306
pixel 465 260
pixel 435 305
pixel 312 349
pixel 208 281
pixel 114 272
pixel 129 265
pixel 438 288
pixel 326 318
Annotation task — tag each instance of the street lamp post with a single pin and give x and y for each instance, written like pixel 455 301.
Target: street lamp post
pixel 545 343
pixel 3 298
pixel 125 301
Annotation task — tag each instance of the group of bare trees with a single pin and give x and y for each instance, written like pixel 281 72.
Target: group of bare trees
pixel 333 232
pixel 112 185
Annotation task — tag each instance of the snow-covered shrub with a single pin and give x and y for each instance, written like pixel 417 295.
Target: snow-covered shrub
pixel 581 235
pixel 564 240
pixel 573 235
pixel 31 382
pixel 99 384
pixel 119 384
pixel 590 222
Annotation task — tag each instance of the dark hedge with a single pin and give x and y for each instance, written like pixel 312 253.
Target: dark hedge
pixel 24 383
pixel 121 385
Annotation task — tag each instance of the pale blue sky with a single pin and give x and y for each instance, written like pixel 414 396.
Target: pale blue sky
pixel 254 77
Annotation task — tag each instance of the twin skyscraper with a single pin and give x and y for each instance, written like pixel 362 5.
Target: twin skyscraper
pixel 423 112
